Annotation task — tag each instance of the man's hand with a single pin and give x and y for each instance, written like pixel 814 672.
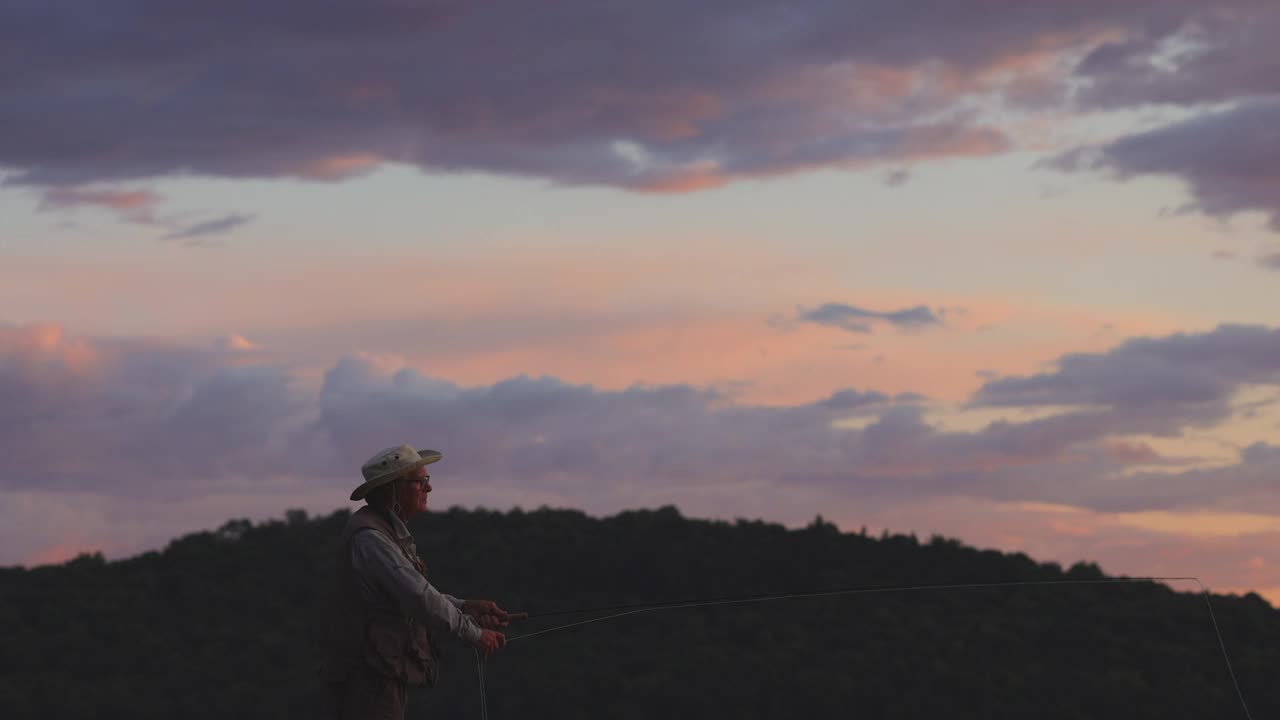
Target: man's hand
pixel 488 615
pixel 489 642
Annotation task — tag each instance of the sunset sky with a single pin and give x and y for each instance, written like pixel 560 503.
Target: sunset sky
pixel 1008 273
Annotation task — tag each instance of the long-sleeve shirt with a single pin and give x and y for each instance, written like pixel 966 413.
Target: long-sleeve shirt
pixel 383 570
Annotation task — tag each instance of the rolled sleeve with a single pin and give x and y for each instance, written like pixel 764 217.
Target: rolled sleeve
pixel 383 564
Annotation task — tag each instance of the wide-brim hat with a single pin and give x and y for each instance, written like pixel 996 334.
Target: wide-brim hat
pixel 390 464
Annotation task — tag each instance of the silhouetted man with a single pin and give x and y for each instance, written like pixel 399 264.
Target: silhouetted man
pixel 386 616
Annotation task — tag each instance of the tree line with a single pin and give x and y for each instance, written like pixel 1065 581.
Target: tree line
pixel 228 623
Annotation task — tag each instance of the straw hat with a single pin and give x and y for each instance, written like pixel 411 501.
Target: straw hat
pixel 390 464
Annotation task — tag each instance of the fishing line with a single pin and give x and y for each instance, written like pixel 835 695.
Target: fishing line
pixel 635 609
pixel 484 706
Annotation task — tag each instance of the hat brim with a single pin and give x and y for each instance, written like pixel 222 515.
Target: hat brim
pixel 425 457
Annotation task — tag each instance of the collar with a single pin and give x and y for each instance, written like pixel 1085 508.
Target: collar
pixel 402 530
pixel 397 525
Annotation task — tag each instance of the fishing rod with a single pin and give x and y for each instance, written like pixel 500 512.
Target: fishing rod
pixel 616 611
pixel 866 589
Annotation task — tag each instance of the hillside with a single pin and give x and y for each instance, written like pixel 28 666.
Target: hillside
pixel 223 624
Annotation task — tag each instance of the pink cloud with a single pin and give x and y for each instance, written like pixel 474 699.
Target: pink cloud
pixel 236 343
pixel 238 415
pixel 687 182
pixel 1131 453
pixel 140 206
pixel 169 427
pixel 337 167
pixel 133 205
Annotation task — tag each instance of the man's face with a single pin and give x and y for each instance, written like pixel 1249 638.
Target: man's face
pixel 413 491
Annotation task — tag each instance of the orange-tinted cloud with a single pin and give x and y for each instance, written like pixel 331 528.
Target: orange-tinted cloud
pixel 1131 452
pixel 338 167
pixel 1227 562
pixel 686 180
pixel 133 205
pixel 60 552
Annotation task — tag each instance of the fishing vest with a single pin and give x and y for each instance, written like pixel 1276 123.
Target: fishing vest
pixel 376 634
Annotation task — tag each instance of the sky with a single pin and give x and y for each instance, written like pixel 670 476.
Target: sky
pixel 1009 275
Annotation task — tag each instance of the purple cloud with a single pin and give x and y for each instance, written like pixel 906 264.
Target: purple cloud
pixel 897 178
pixel 161 424
pixel 133 205
pixel 850 399
pixel 1224 52
pixel 1179 379
pixel 646 96
pixel 1230 159
pixel 859 320
pixel 138 206
pixel 1245 486
pixel 198 233
pixel 159 419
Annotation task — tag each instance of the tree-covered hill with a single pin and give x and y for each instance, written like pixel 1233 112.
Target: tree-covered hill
pixel 224 624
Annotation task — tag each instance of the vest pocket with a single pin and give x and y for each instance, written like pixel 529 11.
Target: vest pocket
pixel 425 658
pixel 402 650
pixel 388 646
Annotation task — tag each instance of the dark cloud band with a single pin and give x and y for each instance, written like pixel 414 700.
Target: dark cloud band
pixel 649 96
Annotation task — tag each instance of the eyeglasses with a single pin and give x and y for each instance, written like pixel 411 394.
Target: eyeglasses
pixel 420 482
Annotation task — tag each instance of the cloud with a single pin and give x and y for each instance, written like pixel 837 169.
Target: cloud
pixel 198 233
pixel 158 424
pixel 137 206
pixel 849 399
pixel 1223 55
pixel 897 178
pixel 133 205
pixel 1160 387
pixel 292 90
pixel 136 418
pixel 1225 51
pixel 1230 160
pixel 1130 452
pixel 776 90
pixel 1156 383
pixel 855 319
pixel 236 343
pixel 1245 486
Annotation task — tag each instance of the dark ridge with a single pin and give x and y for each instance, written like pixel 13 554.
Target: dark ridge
pixel 225 624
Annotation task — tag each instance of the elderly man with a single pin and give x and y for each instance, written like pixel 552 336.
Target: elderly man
pixel 387 616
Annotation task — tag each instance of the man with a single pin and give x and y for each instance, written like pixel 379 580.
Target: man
pixel 387 616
